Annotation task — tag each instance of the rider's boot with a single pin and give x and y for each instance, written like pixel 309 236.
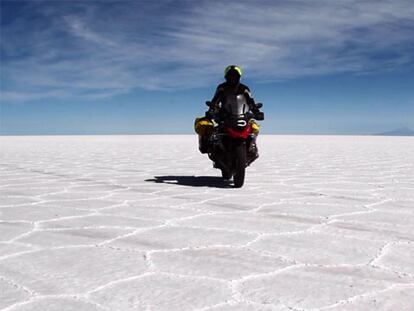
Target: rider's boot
pixel 253 150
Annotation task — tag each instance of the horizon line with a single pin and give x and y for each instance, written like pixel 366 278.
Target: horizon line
pixel 188 134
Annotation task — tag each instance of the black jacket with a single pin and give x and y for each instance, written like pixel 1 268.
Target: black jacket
pixel 224 91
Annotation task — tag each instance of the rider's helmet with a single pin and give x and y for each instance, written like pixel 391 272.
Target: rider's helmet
pixel 232 74
pixel 233 69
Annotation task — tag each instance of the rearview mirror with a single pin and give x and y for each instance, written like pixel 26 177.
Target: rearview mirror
pixel 208 103
pixel 259 105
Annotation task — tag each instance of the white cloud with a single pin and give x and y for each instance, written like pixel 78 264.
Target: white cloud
pixel 110 50
pixel 299 39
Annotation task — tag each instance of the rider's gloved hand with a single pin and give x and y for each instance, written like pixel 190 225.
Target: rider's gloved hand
pixel 211 113
pixel 208 114
pixel 259 116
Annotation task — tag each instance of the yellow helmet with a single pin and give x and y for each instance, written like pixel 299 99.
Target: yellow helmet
pixel 233 67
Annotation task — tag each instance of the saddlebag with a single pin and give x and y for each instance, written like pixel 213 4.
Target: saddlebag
pixel 204 128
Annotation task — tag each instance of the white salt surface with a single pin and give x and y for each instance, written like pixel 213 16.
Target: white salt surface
pixel 145 223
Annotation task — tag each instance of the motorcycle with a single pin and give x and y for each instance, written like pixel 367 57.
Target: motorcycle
pixel 233 136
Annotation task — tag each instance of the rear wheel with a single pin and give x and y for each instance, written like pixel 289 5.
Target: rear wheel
pixel 240 166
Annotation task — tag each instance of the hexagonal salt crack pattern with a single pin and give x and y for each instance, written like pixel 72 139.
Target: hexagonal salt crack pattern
pixel 8 200
pixel 398 257
pixel 399 297
pixel 317 286
pixel 12 230
pixel 311 210
pixel 71 270
pixel 71 195
pixel 393 206
pixel 371 230
pixel 252 222
pixel 319 248
pixel 7 249
pixel 321 222
pixel 38 212
pixel 249 306
pixel 216 262
pixel 382 218
pixel 227 204
pixel 162 292
pixel 66 237
pixel 144 211
pixel 181 237
pixel 331 199
pixel 85 204
pixel 57 304
pixel 11 293
pixel 99 221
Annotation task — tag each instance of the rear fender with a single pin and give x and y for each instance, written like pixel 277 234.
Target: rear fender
pixel 243 134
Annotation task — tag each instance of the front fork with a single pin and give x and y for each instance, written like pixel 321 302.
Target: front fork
pixel 224 151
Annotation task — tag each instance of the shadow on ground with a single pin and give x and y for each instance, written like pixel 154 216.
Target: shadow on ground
pixel 194 181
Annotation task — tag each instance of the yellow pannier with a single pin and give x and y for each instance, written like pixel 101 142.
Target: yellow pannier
pixel 255 127
pixel 203 126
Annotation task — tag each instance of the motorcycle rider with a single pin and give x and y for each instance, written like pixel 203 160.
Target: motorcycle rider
pixel 228 91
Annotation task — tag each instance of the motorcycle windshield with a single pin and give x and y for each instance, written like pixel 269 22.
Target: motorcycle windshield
pixel 237 106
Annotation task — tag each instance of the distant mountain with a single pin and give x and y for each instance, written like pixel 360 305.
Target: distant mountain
pixel 404 131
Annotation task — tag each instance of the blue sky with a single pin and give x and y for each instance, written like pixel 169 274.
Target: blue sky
pixel 130 67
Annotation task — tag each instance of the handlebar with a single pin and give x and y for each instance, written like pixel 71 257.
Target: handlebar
pixel 256 114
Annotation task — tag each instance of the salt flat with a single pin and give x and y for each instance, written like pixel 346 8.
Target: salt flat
pixel 145 223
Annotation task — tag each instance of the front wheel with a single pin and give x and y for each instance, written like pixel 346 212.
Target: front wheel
pixel 225 174
pixel 240 165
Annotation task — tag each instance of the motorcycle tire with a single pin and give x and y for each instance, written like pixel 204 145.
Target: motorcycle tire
pixel 226 174
pixel 240 166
